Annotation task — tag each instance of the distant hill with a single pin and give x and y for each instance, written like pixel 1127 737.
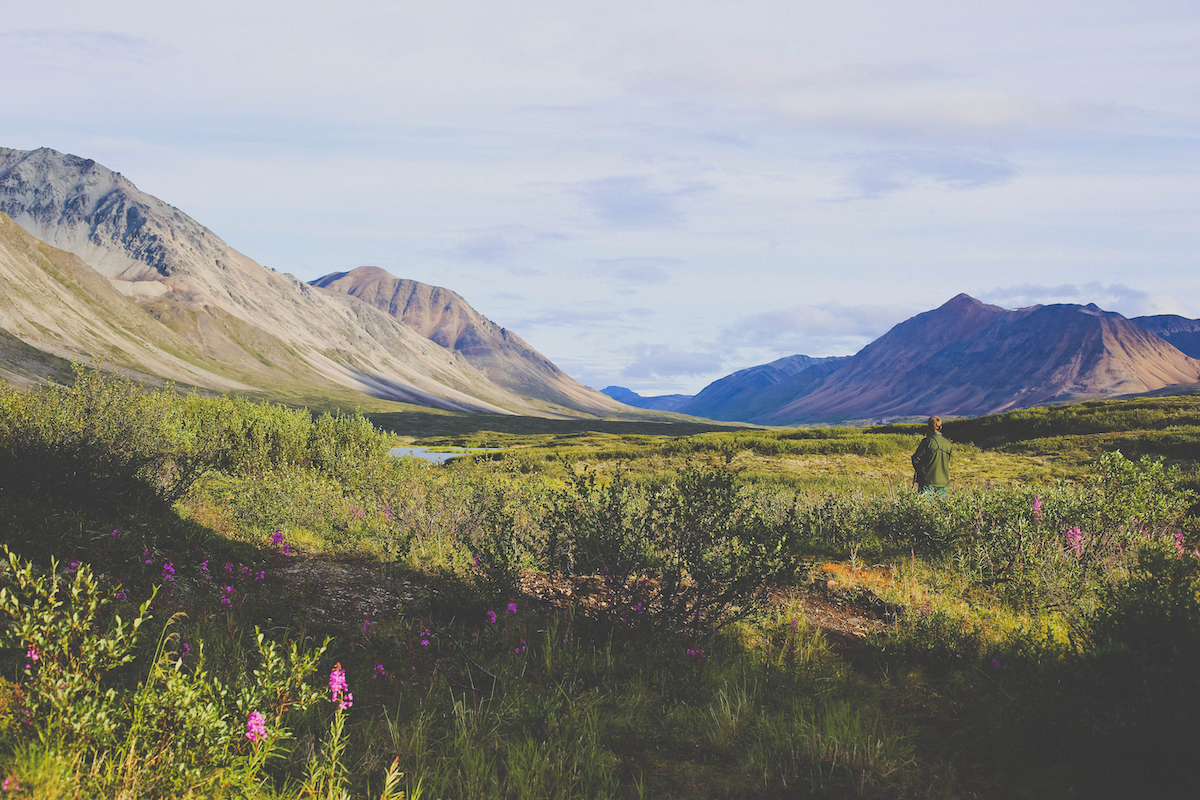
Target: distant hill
pixel 664 402
pixel 229 321
pixel 444 317
pixel 967 358
pixel 1182 332
pixel 750 392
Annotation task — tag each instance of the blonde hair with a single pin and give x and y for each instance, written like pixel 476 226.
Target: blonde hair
pixel 935 425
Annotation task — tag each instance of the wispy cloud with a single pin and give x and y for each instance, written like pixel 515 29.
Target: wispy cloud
pixel 893 170
pixel 1111 297
pixel 811 329
pixel 630 274
pixel 662 362
pixel 635 201
pixel 504 242
pixel 70 50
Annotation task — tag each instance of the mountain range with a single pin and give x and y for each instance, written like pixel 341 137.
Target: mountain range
pixel 94 269
pixel 152 291
pixel 965 358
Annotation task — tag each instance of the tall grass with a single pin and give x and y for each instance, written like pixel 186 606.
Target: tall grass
pixel 658 660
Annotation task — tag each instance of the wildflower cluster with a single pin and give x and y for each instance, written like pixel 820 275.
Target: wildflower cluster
pixel 256 727
pixel 338 688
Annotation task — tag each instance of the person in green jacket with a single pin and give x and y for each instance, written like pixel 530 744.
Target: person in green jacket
pixel 931 462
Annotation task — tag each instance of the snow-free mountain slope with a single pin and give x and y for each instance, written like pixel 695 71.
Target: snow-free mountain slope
pixel 444 317
pixel 62 309
pixel 739 396
pixel 967 358
pixel 1181 332
pixel 662 402
pixel 265 329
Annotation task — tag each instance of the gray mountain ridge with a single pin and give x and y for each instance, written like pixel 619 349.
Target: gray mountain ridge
pixel 234 323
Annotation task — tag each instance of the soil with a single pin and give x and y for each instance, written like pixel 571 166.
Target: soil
pixel 839 602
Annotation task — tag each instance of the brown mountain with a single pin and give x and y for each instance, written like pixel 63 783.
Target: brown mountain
pixel 55 308
pixel 747 393
pixel 444 317
pixel 1180 331
pixel 230 317
pixel 967 358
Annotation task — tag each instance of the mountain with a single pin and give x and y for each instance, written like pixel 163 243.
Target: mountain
pixel 967 358
pixel 445 318
pixel 1182 332
pixel 747 393
pixel 55 307
pixel 664 402
pixel 243 323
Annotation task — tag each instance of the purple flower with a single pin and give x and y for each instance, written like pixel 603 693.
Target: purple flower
pixel 147 555
pixel 512 608
pixel 277 538
pixel 491 617
pixel 73 567
pixel 1178 543
pixel 338 688
pixel 379 671
pixel 995 663
pixel 1037 509
pixel 256 727
pixel 227 600
pixel 262 574
pixel 229 568
pixel 204 567
pixel 169 571
pixel 478 561
pixel 1075 541
pixel 117 533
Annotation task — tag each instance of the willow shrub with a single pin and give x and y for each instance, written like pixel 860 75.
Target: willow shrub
pixel 101 441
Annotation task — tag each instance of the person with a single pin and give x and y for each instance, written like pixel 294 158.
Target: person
pixel 931 461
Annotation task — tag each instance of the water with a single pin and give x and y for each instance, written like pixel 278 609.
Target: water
pixel 437 457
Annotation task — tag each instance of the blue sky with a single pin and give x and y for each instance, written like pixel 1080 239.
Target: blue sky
pixel 655 194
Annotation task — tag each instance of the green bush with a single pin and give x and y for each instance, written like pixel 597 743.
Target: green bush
pixel 102 441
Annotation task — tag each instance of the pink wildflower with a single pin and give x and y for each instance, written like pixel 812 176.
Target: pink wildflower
pixel 512 608
pixel 1179 543
pixel 11 785
pixel 338 688
pixel 491 617
pixel 1075 541
pixel 256 727
pixel 1037 509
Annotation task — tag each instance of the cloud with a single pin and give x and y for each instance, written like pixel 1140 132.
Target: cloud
pixel 963 115
pixel 635 201
pixel 562 318
pixel 660 361
pixel 503 244
pixel 70 51
pixel 811 328
pixel 631 272
pixel 1117 297
pixel 893 170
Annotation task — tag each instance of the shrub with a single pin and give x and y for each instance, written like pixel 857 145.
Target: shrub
pixel 101 441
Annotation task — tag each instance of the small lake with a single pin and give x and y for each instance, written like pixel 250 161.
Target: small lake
pixel 438 456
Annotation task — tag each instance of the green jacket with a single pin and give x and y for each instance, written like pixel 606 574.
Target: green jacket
pixel 931 462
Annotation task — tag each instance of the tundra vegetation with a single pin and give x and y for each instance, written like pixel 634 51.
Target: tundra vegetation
pixel 209 597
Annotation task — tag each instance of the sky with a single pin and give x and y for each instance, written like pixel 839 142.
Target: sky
pixel 654 194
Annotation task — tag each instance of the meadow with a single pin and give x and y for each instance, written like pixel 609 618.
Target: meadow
pixel 212 597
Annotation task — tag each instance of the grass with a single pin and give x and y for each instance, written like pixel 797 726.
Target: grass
pixel 992 639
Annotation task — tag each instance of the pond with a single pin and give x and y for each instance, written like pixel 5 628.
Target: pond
pixel 438 456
